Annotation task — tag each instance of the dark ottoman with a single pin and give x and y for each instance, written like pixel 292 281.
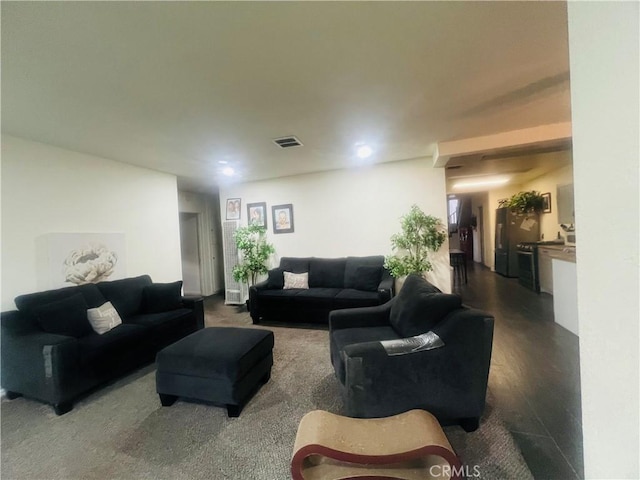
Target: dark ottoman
pixel 222 365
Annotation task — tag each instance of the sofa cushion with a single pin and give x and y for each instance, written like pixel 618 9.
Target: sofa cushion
pixel 101 352
pixel 92 296
pixel 155 320
pixel 294 264
pixel 368 278
pixel 417 309
pixel 351 268
pixel 125 294
pixel 103 318
pixel 165 327
pixel 67 316
pixel 351 298
pixel 327 272
pixel 296 280
pixel 317 297
pixel 162 297
pixel 348 336
pixel 279 294
pixel 275 278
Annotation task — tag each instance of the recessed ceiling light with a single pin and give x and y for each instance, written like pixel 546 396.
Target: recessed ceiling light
pixel 364 151
pixel 481 183
pixel 222 162
pixel 228 171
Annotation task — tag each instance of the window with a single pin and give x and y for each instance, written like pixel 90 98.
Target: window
pixel 452 211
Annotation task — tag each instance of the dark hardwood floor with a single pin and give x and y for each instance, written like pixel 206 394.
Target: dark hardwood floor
pixel 535 373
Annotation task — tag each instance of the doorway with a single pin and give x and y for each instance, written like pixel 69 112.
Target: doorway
pixel 190 254
pixel 478 240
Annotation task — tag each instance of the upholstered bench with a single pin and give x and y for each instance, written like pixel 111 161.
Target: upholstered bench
pixel 221 365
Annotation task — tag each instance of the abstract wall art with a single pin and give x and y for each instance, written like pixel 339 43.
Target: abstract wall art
pixel 66 259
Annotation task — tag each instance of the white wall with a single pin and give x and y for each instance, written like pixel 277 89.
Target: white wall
pixel 549 225
pixel 350 212
pixel 604 59
pixel 50 190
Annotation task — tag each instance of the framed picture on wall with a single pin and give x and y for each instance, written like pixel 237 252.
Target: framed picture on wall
pixel 233 208
pixel 282 218
pixel 546 202
pixel 257 214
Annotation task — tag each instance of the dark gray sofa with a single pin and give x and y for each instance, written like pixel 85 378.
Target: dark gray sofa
pixel 334 283
pixel 450 381
pixel 57 367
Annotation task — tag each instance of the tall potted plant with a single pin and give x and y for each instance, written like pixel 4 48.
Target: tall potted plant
pixel 421 235
pixel 254 252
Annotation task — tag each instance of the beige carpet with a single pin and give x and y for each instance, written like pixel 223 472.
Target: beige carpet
pixel 121 431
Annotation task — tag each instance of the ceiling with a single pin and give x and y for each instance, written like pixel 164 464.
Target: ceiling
pixel 182 86
pixel 517 165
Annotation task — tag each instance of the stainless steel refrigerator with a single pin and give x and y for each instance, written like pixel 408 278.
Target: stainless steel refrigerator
pixel 512 229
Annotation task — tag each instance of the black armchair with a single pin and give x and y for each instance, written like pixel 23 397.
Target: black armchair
pixel 450 382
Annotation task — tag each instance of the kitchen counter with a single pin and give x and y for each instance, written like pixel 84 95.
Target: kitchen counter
pixel 559 252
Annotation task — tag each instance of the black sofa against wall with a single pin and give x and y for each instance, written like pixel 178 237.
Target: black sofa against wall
pixel 334 283
pixel 57 367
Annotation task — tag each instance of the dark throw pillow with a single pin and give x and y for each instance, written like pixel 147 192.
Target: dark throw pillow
pixel 162 297
pixel 327 272
pixel 419 306
pixel 275 279
pixel 65 317
pixel 354 263
pixel 368 278
pixel 294 264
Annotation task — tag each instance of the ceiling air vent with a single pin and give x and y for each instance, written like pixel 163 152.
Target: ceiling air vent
pixel 286 142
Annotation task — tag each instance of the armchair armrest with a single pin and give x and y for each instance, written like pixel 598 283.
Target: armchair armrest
pixel 379 385
pixel 39 364
pixel 254 302
pixel 195 303
pixel 386 286
pixel 360 317
pixel 260 285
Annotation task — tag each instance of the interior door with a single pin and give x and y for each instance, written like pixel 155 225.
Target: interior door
pixel 190 253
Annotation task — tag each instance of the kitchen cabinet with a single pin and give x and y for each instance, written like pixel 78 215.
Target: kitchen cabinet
pixel 558 276
pixel 545 270
pixel 546 255
pixel 565 298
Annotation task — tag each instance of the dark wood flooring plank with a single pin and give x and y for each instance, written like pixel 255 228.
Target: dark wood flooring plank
pixel 535 373
pixel 543 457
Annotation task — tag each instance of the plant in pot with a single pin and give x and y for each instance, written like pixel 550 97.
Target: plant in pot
pixel 524 202
pixel 254 253
pixel 421 235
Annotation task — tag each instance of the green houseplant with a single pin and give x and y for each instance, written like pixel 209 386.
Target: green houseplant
pixel 524 202
pixel 255 251
pixel 421 234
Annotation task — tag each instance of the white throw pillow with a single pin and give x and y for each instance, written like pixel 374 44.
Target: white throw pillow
pixel 103 318
pixel 296 280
